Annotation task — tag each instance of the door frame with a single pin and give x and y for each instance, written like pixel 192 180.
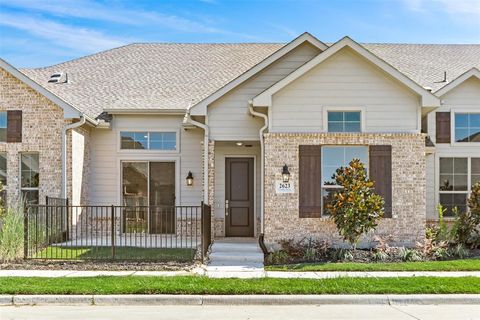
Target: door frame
pixel 147 159
pixel 226 156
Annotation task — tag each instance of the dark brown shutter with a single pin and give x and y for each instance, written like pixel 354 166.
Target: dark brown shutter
pixel 310 205
pixel 14 126
pixel 380 168
pixel 443 134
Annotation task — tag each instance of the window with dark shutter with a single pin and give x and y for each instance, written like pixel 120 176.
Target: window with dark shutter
pixel 310 204
pixel 380 169
pixel 14 126
pixel 443 128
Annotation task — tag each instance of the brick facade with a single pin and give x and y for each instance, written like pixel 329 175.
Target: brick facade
pixel 407 224
pixel 41 128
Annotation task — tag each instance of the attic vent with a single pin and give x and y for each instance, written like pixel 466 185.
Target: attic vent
pixel 58 78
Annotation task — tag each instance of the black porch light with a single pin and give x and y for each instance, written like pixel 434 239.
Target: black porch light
pixel 285 174
pixel 189 179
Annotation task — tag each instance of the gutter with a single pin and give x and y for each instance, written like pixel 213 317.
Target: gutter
pixel 83 120
pixel 262 163
pixel 188 119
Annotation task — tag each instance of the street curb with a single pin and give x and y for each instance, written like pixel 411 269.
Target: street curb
pixel 109 300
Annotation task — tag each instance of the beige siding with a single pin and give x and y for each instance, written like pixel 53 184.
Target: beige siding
pixel 225 150
pixel 345 80
pixel 228 117
pixel 106 157
pixel 465 97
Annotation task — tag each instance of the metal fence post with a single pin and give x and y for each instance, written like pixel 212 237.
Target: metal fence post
pixel 113 232
pixel 25 233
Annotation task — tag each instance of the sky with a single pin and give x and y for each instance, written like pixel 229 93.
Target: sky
pixel 45 32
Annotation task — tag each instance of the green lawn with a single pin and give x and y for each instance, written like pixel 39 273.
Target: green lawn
pixel 121 253
pixel 452 265
pixel 204 285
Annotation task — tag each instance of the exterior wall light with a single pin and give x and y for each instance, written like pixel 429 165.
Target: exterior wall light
pixel 189 179
pixel 285 174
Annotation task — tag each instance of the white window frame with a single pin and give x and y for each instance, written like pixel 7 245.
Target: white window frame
pixel 437 178
pixel 323 186
pixel 6 127
pixel 119 139
pixel 453 141
pixel 20 174
pixel 360 109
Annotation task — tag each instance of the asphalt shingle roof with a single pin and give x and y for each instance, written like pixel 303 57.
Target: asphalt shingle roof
pixel 170 76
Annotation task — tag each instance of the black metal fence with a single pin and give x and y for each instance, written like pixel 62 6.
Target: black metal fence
pixel 161 233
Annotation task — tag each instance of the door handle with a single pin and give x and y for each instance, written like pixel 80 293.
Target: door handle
pixel 226 207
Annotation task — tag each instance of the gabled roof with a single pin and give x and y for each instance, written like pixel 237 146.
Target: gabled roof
pixel 201 107
pixel 68 110
pixel 474 72
pixel 164 77
pixel 428 99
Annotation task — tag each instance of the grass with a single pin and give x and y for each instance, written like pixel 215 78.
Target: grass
pixel 121 253
pixel 451 265
pixel 204 285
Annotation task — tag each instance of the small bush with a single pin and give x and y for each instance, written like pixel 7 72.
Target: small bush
pixel 278 257
pixel 356 209
pixel 341 255
pixel 11 235
pixel 406 254
pixel 310 255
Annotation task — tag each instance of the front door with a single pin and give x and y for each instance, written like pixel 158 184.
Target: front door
pixel 239 215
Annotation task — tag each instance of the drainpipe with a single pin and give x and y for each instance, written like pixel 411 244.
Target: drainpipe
pixel 262 162
pixel 206 129
pixel 64 152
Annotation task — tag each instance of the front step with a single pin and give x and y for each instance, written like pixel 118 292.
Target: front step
pixel 235 258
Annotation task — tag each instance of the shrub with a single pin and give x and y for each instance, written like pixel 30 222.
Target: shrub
pixel 356 209
pixel 406 254
pixel 277 257
pixel 11 235
pixel 466 229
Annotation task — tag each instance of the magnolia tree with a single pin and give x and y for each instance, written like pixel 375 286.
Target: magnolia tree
pixel 355 208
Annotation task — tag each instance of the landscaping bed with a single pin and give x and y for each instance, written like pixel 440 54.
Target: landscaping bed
pixel 204 285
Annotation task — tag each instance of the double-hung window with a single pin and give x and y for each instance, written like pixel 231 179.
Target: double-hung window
pixel 344 121
pixel 139 140
pixel 457 176
pixel 334 157
pixel 467 127
pixel 30 177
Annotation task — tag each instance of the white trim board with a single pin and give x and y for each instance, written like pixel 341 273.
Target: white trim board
pixel 474 72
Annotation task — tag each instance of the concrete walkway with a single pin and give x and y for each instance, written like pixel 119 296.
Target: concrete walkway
pixel 230 274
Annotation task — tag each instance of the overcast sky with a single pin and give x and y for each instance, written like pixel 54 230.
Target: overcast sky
pixel 44 32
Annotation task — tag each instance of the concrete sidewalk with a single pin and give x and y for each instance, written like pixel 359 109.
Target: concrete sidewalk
pixel 239 274
pixel 125 300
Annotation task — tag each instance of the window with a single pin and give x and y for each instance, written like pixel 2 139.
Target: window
pixel 148 140
pixel 29 177
pixel 467 127
pixel 344 121
pixel 3 126
pixel 333 158
pixel 457 175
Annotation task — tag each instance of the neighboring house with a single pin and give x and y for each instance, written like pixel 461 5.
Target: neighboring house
pixel 238 117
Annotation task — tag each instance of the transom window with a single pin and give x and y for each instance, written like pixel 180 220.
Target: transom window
pixel 467 127
pixel 3 126
pixel 137 140
pixel 457 175
pixel 334 157
pixel 344 121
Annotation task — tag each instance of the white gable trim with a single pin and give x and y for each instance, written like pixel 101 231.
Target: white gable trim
pixel 264 99
pixel 474 72
pixel 200 108
pixel 68 110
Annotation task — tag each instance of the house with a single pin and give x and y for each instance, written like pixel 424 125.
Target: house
pixel 254 130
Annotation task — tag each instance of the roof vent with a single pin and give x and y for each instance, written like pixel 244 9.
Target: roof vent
pixel 58 77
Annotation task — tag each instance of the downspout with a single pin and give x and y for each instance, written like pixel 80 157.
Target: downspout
pixel 64 152
pixel 206 129
pixel 262 163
